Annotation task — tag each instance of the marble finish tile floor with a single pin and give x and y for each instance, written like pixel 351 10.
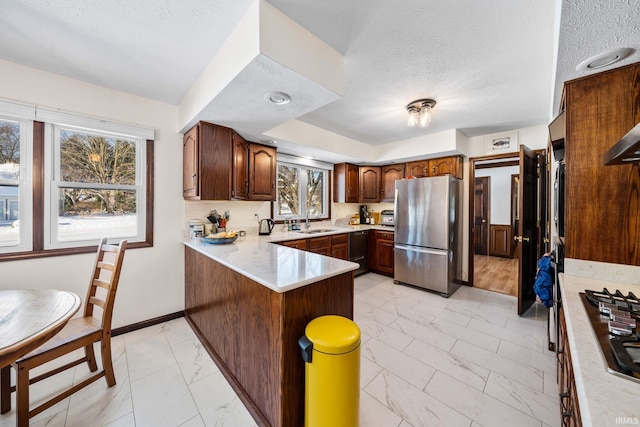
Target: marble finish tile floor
pixel 468 360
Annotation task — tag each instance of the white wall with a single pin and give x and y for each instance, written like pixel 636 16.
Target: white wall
pixel 500 192
pixel 152 280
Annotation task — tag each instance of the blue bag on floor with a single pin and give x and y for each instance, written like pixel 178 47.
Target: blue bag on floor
pixel 543 286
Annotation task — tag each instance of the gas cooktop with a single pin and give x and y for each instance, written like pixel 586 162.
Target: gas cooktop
pixel 614 318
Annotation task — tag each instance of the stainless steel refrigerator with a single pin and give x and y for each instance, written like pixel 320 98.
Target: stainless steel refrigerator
pixel 427 249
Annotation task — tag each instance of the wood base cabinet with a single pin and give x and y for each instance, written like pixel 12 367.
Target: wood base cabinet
pixel 252 332
pixel 381 252
pixel 301 244
pixel 336 246
pixel 340 246
pixel 320 245
pixel 569 406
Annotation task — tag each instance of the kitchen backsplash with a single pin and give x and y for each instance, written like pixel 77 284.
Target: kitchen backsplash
pixel 243 213
pixel 345 210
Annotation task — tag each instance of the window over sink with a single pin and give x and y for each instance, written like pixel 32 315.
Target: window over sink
pixel 303 189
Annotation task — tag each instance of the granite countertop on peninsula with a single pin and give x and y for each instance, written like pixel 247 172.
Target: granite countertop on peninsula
pixel 278 267
pixel 605 399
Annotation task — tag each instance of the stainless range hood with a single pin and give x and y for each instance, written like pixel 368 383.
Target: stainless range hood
pixel 627 150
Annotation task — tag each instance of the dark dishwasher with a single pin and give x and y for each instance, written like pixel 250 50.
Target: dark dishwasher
pixel 358 251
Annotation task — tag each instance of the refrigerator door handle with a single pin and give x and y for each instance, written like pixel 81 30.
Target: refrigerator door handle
pixel 422 250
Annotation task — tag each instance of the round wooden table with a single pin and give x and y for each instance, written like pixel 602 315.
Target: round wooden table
pixel 30 317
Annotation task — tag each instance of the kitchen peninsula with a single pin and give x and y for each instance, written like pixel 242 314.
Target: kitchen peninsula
pixel 249 303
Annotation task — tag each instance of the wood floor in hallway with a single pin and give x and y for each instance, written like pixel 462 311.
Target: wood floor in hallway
pixel 496 274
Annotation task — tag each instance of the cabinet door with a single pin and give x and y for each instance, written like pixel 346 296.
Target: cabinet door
pixel 262 172
pixel 384 252
pixel 569 406
pixel 340 246
pixel 190 172
pixel 418 169
pixel 320 245
pixel 240 172
pixel 297 244
pixel 446 166
pixel 207 162
pixel 369 184
pixel 390 174
pixel 345 183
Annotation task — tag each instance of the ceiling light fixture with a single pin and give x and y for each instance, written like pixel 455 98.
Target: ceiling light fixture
pixel 604 59
pixel 278 98
pixel 420 112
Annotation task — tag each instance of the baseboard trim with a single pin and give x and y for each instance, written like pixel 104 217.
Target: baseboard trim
pixel 146 323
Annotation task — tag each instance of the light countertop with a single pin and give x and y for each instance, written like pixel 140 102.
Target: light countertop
pixel 605 399
pixel 278 267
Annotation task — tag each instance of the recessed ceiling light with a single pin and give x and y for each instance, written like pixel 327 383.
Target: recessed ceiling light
pixel 269 141
pixel 278 98
pixel 604 59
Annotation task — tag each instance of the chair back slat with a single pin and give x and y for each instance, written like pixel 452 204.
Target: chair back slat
pixel 105 277
pixel 95 301
pixel 106 266
pixel 102 283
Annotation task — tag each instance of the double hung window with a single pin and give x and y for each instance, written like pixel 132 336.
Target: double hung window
pixel 96 186
pixel 15 188
pixel 67 180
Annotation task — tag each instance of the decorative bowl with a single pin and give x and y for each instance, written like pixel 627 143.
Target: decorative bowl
pixel 221 241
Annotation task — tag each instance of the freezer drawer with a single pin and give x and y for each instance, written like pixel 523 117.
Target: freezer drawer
pixel 426 268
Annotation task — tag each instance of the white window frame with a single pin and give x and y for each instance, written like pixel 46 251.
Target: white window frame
pixel 303 165
pixel 53 183
pixel 22 115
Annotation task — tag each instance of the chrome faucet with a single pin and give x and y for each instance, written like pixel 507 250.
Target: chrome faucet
pixel 307 224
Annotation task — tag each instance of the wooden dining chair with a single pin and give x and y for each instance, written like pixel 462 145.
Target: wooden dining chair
pixel 77 333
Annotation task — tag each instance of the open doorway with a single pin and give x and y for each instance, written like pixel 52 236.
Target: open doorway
pixel 495 207
pixel 519 239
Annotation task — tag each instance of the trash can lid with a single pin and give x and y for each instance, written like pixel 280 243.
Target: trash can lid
pixel 333 334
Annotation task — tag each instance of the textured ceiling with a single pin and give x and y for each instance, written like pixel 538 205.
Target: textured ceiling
pixel 489 64
pixel 152 48
pixel 591 27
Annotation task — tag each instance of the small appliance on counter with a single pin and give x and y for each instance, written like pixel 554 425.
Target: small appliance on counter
pixel 364 214
pixel 387 218
pixel 265 226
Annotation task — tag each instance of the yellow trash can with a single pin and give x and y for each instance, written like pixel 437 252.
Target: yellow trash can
pixel 331 349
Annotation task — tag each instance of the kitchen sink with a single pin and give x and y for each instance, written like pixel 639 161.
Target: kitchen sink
pixel 316 231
